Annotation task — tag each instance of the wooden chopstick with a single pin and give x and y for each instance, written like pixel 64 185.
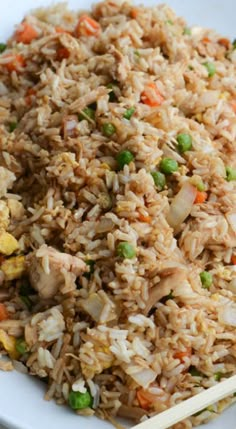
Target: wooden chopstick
pixel 190 406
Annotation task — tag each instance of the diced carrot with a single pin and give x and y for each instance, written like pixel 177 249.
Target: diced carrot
pixel 134 13
pixel 62 30
pixel 144 218
pixel 233 105
pixel 233 259
pixel 62 53
pixel 25 33
pixel 3 312
pixel 87 27
pixel 182 355
pixel 151 95
pixel 205 40
pixel 145 398
pixel 224 42
pixel 201 197
pixel 16 62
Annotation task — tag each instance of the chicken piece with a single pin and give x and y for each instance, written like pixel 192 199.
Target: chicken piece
pixel 8 243
pixel 7 179
pixel 16 208
pixel 47 267
pixel 165 286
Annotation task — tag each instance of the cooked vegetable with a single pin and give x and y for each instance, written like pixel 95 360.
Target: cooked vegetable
pixel 87 113
pixel 230 174
pixel 125 250
pixel 187 31
pixel 184 142
pixel 69 126
pixel 16 62
pixel 168 165
pixel 105 201
pixel 146 219
pixel 224 42
pixel 3 47
pixel 218 376
pixel 151 95
pixel 129 113
pixel 182 355
pixel 21 346
pixel 87 27
pixel 8 243
pixel 12 126
pixel 233 259
pixel 79 401
pixel 211 68
pixel 159 180
pixel 3 312
pixel 13 268
pixel 25 33
pixel 62 53
pixel 108 129
pixel 26 301
pixel 145 399
pixel 201 197
pixel 123 158
pixel 195 372
pixel 91 265
pixel 181 205
pixel 206 279
pixel 94 305
pixel 167 297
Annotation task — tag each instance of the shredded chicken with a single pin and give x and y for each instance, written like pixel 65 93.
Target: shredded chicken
pixel 47 267
pixel 7 179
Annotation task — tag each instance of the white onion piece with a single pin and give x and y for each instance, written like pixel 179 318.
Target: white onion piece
pixel 181 205
pixel 227 315
pixel 144 377
pixel 231 218
pixel 70 123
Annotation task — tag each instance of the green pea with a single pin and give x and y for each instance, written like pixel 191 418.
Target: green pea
pixel 159 180
pixel 187 31
pixel 79 401
pixel 168 165
pixel 124 158
pixel 87 113
pixel 129 113
pixel 125 250
pixel 184 142
pixel 3 47
pixel 21 346
pixel 108 129
pixel 230 174
pixel 211 68
pixel 206 279
pixel 218 376
pixel 12 126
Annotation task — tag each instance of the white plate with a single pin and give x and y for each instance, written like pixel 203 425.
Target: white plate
pixel 21 398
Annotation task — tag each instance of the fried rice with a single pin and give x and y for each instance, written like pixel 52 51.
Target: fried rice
pixel 118 208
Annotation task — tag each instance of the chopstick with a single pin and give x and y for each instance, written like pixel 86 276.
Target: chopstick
pixel 190 406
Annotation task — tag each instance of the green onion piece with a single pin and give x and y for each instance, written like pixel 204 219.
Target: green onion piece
pixel 125 250
pixel 169 21
pixel 12 126
pixel 3 47
pixel 87 113
pixel 137 53
pixel 211 68
pixel 124 158
pixel 167 297
pixel 159 180
pixel 187 31
pixel 184 142
pixel 112 94
pixel 27 301
pixel 218 376
pixel 206 279
pixel 108 129
pixel 195 372
pixel 168 165
pixel 91 265
pixel 79 401
pixel 129 113
pixel 201 187
pixel 26 289
pixel 21 346
pixel 230 174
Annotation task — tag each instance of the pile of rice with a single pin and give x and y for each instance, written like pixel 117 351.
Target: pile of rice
pixel 141 333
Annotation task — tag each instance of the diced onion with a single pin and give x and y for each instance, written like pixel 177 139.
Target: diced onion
pixel 144 377
pixel 227 315
pixel 181 205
